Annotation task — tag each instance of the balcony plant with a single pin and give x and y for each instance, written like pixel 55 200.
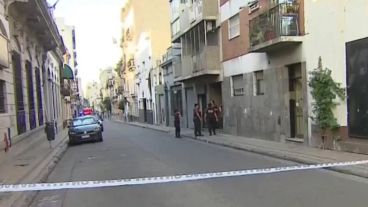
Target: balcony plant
pixel 325 91
pixel 270 31
pixel 292 8
pixel 256 35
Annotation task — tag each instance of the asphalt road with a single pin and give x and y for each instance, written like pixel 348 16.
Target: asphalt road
pixel 129 152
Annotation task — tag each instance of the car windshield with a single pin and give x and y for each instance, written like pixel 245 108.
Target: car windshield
pixel 84 121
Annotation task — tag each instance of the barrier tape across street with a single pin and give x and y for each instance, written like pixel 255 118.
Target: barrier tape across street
pixel 166 179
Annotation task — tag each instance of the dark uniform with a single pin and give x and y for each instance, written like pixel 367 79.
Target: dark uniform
pixel 217 112
pixel 211 120
pixel 197 122
pixel 177 124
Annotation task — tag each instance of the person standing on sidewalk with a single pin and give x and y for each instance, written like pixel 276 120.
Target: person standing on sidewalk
pixel 211 119
pixel 217 111
pixel 177 123
pixel 197 119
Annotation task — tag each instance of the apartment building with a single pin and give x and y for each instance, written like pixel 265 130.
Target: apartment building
pixel 193 24
pixel 30 69
pixel 268 49
pixel 146 36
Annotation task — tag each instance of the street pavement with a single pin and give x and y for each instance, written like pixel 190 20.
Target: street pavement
pixel 129 152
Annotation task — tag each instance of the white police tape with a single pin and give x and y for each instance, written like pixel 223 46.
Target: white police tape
pixel 166 179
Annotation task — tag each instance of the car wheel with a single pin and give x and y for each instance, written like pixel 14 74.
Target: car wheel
pixel 101 138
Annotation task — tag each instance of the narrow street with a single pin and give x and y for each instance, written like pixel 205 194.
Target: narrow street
pixel 129 152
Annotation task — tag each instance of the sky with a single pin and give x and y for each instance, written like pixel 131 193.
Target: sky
pixel 97 23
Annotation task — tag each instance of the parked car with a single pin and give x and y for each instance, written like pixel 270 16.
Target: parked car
pixel 85 128
pixel 100 121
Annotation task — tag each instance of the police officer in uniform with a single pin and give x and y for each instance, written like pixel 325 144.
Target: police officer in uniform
pixel 197 119
pixel 211 118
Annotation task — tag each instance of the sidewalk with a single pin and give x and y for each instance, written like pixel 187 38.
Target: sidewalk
pixel 29 161
pixel 286 151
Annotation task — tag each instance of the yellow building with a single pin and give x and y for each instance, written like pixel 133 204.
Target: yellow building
pixel 146 36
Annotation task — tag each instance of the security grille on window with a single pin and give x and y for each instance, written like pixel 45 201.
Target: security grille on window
pixel 2 97
pixel 234 26
pixel 238 85
pixel 259 83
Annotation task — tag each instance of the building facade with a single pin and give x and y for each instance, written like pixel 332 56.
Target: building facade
pixel 146 36
pixel 72 98
pixel 194 26
pixel 93 95
pixel 167 92
pixel 30 69
pixel 268 49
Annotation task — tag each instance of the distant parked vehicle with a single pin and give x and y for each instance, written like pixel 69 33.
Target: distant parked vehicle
pixel 86 128
pixel 87 111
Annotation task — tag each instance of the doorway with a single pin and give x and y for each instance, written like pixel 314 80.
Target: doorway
pixel 202 101
pixel 190 101
pixel 296 101
pixel 145 110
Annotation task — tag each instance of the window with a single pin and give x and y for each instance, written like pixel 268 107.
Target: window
pixel 176 100
pixel 253 6
pixel 237 85
pixel 84 121
pixel 175 27
pixel 174 4
pixel 289 25
pixel 234 26
pixel 2 97
pixel 259 83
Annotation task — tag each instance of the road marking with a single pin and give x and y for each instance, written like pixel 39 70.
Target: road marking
pixel 167 179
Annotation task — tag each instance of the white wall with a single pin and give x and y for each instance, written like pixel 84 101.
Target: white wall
pixel 144 54
pixel 329 25
pixel 245 64
pixel 52 88
pixel 7 76
pixel 231 8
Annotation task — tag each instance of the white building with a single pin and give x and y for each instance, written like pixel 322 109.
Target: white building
pixel 30 59
pixel 144 64
pixel 72 100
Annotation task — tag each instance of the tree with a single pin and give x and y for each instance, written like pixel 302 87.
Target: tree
pixel 118 67
pixel 107 104
pixel 122 105
pixel 324 91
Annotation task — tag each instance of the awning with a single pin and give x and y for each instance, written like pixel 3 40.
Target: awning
pixel 68 72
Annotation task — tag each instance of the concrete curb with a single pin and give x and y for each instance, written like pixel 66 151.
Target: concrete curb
pixel 41 173
pixel 142 126
pixel 349 171
pixel 282 156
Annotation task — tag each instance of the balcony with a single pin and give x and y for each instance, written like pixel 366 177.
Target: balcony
pixel 193 14
pixel 177 69
pixel 38 17
pixel 277 28
pixel 203 63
